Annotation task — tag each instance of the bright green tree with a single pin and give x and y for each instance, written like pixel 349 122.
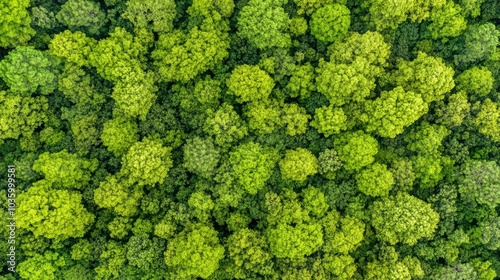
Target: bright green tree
pixel 201 204
pixel 428 169
pixel 195 252
pixel 117 194
pixel 298 164
pixel 375 180
pixel 387 271
pixel 41 267
pixel 210 10
pixel 295 119
pixel 342 234
pixel 118 134
pixel 201 156
pixel 446 21
pixel 252 165
pixel 389 14
pixel 264 23
pixel 65 170
pixel 249 250
pixel 330 22
pixel 314 201
pixel 264 117
pixel 301 82
pixel 135 94
pixel 476 80
pixel 52 213
pixel 147 162
pixel 426 139
pixel 21 115
pixel 329 120
pixel 356 149
pixel 207 91
pixel 286 241
pixel 488 120
pixel 111 260
pixel 285 208
pixel 403 219
pixel 119 227
pixel 225 125
pixel 144 252
pixel 15 23
pixel 343 83
pixel 180 57
pixel 75 47
pixel 393 111
pixel 117 56
pixel 425 75
pixel 342 267
pixel 370 45
pixel 250 83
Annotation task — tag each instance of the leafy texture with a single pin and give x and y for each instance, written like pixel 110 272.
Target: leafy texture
pixel 252 166
pixel 15 23
pixel 194 253
pixel 55 214
pixel 147 162
pixel 250 83
pixel 330 23
pixel 26 70
pixel 404 219
pixel 298 164
pixel 426 75
pixel 264 24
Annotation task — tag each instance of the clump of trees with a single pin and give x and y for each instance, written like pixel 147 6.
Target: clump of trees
pixel 259 139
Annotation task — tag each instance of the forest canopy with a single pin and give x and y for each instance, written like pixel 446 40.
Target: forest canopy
pixel 254 139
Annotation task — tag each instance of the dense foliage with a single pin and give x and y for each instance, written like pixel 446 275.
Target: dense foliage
pixel 255 139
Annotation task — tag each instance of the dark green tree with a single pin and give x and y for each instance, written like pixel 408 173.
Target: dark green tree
pixel 481 41
pixel 82 14
pixel 27 70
